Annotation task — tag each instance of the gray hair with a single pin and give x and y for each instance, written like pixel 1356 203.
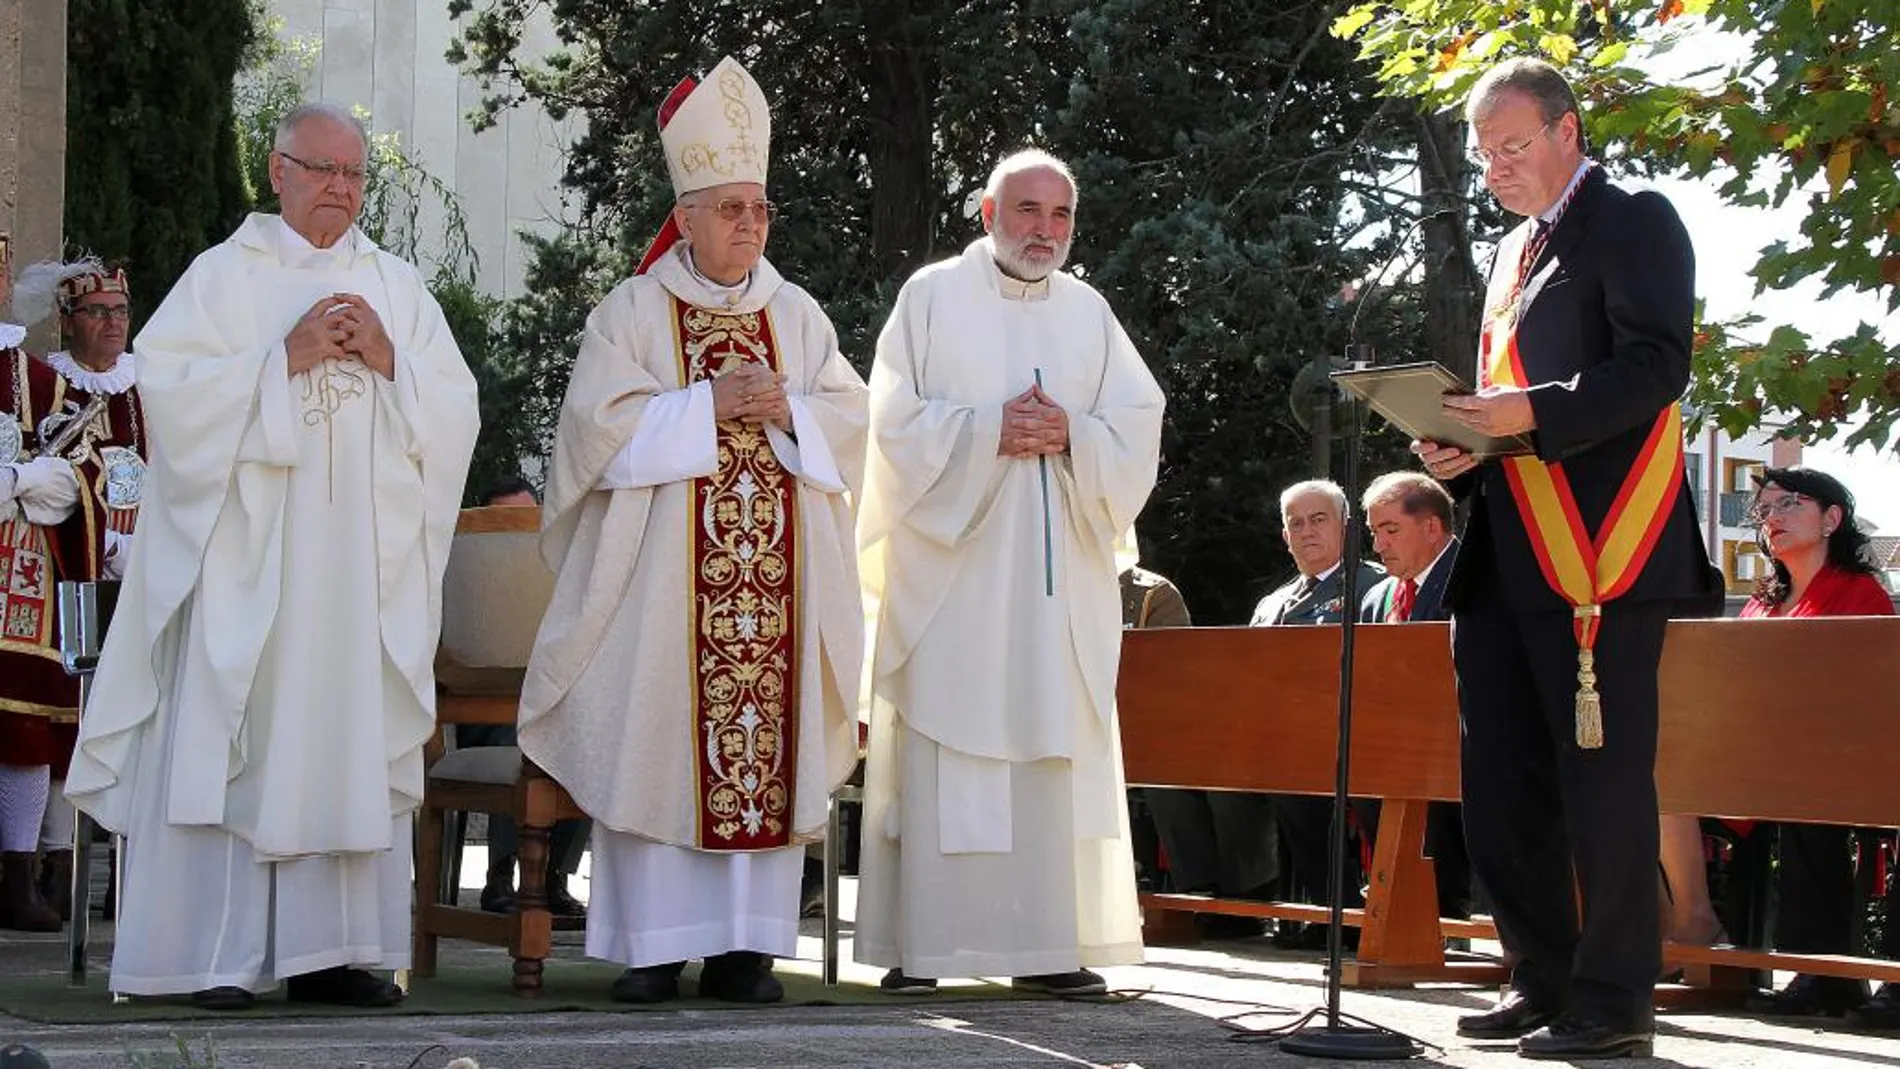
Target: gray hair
pixel 1534 78
pixel 1029 159
pixel 1315 486
pixel 287 126
pixel 1417 494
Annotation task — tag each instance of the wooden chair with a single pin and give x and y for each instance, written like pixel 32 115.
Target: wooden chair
pixel 493 596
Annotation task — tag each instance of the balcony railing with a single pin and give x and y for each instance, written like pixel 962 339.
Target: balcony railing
pixel 1735 508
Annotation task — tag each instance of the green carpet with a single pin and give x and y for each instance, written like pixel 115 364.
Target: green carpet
pixel 569 986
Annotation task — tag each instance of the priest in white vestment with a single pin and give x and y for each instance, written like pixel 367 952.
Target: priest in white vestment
pixel 694 684
pixel 257 721
pixel 1015 434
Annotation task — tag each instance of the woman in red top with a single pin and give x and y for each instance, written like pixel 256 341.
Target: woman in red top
pixel 1822 567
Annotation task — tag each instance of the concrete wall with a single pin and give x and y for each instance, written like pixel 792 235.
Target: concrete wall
pixel 33 131
pixel 386 55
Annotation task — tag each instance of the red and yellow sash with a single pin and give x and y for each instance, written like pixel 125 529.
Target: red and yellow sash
pixel 743 538
pixel 1585 570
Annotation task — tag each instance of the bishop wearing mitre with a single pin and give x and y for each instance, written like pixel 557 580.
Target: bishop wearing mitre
pixel 694 683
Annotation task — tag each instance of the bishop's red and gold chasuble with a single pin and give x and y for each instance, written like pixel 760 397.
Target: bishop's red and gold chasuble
pixel 1586 570
pixel 743 551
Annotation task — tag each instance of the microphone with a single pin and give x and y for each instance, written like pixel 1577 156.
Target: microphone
pixel 1353 346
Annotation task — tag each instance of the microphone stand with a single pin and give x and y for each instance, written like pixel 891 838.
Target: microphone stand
pixel 1362 1041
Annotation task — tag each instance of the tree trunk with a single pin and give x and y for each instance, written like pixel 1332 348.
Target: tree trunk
pixel 1453 290
pixel 902 90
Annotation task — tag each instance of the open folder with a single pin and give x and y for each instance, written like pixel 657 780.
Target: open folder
pixel 1409 395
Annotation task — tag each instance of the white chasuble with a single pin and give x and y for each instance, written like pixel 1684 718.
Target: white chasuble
pixel 693 685
pixel 993 588
pixel 257 720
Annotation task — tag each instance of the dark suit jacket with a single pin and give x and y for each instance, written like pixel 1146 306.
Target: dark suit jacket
pixel 1431 593
pixel 1607 321
pixel 1324 604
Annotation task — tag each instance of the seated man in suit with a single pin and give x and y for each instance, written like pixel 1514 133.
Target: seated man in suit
pixel 1409 515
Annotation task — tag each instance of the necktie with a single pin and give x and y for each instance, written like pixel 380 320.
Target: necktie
pixel 1402 602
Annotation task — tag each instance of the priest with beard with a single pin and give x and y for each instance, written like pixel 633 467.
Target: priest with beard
pixel 1015 435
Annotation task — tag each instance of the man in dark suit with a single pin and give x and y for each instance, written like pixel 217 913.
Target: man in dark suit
pixel 1409 515
pixel 1572 560
pixel 1314 520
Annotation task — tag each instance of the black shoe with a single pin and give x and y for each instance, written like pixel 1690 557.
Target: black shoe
pixel 223 998
pixel 1515 1017
pixel 343 986
pixel 740 976
pixel 1079 982
pixel 1572 1037
pixel 650 983
pixel 896 982
pixel 560 903
pixel 1880 1012
pixel 498 898
pixel 1810 996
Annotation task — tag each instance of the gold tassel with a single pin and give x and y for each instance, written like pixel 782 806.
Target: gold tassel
pixel 1589 703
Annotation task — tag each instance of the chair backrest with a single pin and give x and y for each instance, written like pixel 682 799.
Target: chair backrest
pixel 495 588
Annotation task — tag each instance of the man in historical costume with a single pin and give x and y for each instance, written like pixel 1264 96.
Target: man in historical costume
pixel 258 716
pixel 1015 436
pixel 77 408
pixel 1572 562
pixel 708 448
pixel 1410 517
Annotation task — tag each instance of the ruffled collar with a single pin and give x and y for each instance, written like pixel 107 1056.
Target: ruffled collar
pixel 116 381
pixel 11 335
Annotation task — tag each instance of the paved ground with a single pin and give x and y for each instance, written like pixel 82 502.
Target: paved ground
pixel 1174 1025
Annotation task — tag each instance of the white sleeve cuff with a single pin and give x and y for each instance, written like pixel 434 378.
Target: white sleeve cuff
pixel 804 452
pixel 118 551
pixel 676 440
pixel 46 490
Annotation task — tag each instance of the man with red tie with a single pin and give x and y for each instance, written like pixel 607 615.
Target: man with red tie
pixel 1409 515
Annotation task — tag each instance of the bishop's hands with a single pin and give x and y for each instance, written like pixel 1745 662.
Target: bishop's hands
pixel 752 393
pixel 1033 426
pixel 341 326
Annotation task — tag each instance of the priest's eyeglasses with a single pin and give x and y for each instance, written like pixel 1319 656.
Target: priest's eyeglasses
pixel 325 170
pixel 733 209
pixel 1507 153
pixel 104 313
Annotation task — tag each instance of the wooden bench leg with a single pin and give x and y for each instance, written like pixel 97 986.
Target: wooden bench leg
pixel 534 925
pixel 428 890
pixel 1168 928
pixel 1400 942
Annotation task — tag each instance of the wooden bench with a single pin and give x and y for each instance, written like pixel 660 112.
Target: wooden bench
pixel 1761 719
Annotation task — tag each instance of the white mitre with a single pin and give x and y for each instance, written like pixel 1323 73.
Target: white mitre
pixel 721 132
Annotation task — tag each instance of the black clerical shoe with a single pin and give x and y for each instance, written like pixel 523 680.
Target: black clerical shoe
pixel 740 976
pixel 1079 982
pixel 343 986
pixel 1810 996
pixel 560 903
pixel 498 898
pixel 1881 1012
pixel 1575 1037
pixel 896 982
pixel 1515 1017
pixel 650 983
pixel 223 998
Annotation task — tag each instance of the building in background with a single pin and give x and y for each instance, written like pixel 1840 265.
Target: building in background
pixel 1721 473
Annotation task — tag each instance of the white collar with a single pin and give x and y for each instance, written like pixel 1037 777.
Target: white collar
pixel 295 250
pixel 1550 214
pixel 1426 572
pixel 1327 574
pixel 116 381
pixel 1010 287
pixel 676 273
pixel 731 292
pixel 11 335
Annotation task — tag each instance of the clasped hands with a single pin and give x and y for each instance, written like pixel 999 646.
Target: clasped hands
pixel 1033 426
pixel 1498 411
pixel 752 393
pixel 341 326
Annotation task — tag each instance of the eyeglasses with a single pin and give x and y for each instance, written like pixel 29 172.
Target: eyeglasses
pixel 732 209
pixel 1776 506
pixel 104 313
pixel 326 171
pixel 1511 153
